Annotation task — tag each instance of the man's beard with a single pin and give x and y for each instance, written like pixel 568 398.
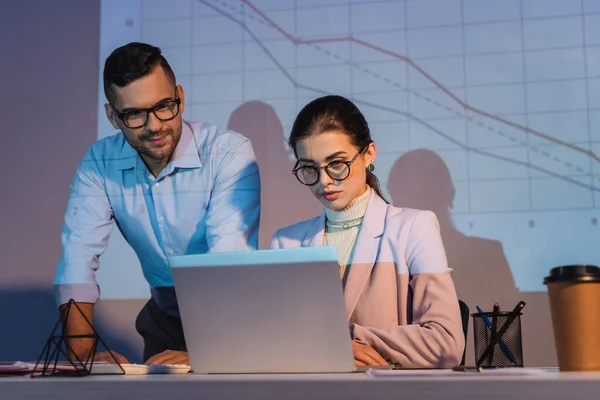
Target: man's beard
pixel 146 148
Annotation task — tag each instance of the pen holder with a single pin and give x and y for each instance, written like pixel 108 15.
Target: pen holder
pixel 498 341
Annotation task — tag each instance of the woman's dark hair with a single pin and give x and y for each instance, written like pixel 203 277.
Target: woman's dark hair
pixel 334 113
pixel 131 62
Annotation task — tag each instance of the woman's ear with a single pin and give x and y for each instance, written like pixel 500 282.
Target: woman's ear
pixel 371 153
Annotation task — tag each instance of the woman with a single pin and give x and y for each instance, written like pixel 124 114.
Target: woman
pixel 401 302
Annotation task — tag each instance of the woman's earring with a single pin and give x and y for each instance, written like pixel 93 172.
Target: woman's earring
pixel 370 167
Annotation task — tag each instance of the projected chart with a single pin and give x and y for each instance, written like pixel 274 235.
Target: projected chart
pixel 496 101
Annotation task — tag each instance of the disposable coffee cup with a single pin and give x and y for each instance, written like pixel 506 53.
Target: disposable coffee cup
pixel 574 295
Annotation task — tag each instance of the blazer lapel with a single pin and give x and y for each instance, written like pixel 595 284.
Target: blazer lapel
pixel 314 236
pixel 365 251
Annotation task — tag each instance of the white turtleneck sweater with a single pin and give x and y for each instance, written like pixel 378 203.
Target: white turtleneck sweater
pixel 342 227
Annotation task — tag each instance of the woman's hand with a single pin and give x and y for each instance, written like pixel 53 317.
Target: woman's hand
pixel 366 355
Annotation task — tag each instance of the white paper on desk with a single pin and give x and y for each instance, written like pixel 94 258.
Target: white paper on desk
pixel 513 371
pixel 14 368
pixel 20 366
pixel 399 373
pixel 140 369
pixel 98 367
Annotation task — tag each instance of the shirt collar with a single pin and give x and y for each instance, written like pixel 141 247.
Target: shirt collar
pixel 128 157
pixel 186 153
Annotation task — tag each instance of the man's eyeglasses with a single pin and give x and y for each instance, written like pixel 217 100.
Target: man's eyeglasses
pixel 337 170
pixel 164 111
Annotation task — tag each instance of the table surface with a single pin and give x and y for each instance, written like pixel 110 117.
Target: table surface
pixel 547 386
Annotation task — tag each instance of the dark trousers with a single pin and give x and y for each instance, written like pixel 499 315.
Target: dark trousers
pixel 160 330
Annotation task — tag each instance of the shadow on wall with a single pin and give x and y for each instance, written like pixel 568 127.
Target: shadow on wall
pixel 284 200
pixel 29 315
pixel 420 179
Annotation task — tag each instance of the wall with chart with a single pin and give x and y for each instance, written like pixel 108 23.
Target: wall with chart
pixel 484 111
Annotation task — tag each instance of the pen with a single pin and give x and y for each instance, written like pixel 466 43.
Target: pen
pixel 495 335
pixel 513 314
pixel 494 329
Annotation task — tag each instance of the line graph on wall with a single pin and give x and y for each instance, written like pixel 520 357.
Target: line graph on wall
pixel 506 94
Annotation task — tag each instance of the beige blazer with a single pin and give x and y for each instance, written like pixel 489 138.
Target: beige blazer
pixel 399 293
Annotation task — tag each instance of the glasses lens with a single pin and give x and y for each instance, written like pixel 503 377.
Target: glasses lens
pixel 307 175
pixel 166 111
pixel 338 170
pixel 135 119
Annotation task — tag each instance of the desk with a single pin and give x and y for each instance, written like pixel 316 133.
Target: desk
pixel 552 385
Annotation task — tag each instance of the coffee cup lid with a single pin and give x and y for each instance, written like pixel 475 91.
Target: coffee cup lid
pixel 573 273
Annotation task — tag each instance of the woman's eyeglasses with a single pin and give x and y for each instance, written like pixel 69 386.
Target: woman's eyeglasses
pixel 337 170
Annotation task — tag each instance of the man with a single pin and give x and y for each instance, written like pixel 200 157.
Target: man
pixel 172 186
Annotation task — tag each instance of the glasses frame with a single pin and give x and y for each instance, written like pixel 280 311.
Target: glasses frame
pixel 326 168
pixel 147 111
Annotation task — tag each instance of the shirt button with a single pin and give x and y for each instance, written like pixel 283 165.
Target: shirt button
pixel 161 218
pixel 170 252
pixel 156 184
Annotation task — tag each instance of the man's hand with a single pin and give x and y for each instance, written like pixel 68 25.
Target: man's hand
pixel 78 324
pixel 105 356
pixel 169 357
pixel 366 355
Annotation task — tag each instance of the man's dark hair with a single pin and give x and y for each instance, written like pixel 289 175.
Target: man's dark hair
pixel 131 62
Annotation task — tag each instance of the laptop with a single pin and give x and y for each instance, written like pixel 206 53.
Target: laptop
pixel 264 311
